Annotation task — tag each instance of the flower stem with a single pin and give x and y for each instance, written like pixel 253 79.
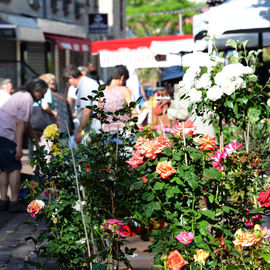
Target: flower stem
pixel 242 258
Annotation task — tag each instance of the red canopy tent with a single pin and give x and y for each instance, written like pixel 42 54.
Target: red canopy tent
pixel 137 52
pixel 132 43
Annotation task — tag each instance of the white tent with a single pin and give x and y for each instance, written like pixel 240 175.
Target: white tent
pixel 247 18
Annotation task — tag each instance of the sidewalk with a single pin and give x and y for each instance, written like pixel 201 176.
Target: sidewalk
pixel 15 251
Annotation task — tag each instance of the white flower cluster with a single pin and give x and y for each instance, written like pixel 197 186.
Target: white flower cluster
pixel 54 213
pixel 78 204
pixel 227 81
pixel 81 241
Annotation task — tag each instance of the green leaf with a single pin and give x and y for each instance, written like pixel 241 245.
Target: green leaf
pixel 235 108
pixel 255 211
pixel 138 184
pixel 170 193
pixel 211 198
pixel 231 43
pixel 228 209
pixel 155 205
pixel 149 211
pixel 208 213
pixel 178 181
pixel 266 257
pixel 168 151
pixel 253 78
pixel 193 183
pixel 148 196
pixel 159 186
pixel 190 107
pixel 228 104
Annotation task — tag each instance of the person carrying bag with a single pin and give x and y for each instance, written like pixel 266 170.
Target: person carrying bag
pixel 40 119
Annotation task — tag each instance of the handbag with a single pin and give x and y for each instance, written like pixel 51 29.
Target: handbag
pixel 40 119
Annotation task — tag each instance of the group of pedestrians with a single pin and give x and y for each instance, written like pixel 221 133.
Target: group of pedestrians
pixel 15 117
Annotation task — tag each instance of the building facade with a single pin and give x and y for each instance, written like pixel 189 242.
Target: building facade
pixel 39 36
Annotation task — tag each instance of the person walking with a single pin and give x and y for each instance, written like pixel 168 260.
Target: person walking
pixel 64 115
pixel 115 96
pixel 14 118
pixel 85 87
pixel 92 73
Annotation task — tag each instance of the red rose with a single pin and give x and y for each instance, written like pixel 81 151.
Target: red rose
pixel 144 179
pixel 264 198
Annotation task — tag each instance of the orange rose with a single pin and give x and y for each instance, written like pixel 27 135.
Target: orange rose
pixel 201 256
pixel 207 143
pixel 175 260
pixel 135 161
pixel 245 239
pixel 187 128
pixel 139 142
pixel 165 169
pixel 148 150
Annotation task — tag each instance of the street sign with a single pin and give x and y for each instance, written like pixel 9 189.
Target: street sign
pixel 98 23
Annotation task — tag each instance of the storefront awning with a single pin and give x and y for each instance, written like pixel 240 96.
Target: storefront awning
pixel 26 29
pixel 61 28
pixel 72 44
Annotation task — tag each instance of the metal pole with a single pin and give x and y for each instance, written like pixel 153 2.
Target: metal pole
pixel 180 24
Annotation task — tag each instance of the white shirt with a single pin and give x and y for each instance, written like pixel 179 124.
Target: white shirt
pixel 85 88
pixel 72 92
pixel 4 97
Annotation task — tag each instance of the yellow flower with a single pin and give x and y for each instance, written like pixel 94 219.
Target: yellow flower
pixel 201 256
pixel 51 132
pixel 82 132
pixel 55 148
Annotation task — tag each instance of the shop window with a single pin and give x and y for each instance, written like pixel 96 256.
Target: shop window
pixel 66 4
pixel 77 9
pixel 54 6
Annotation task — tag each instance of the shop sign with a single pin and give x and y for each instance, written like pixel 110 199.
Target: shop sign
pixel 98 23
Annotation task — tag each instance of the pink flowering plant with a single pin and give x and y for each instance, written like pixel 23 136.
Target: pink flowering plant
pixel 198 191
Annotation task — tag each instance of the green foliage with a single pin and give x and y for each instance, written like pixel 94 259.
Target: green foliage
pixel 104 181
pixel 148 24
pixel 180 201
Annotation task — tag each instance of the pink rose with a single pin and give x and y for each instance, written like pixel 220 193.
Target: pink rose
pixel 116 226
pixel 232 147
pixel 185 238
pixel 265 231
pixel 135 161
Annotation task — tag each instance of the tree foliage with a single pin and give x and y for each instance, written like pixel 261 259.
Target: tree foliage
pixel 142 19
